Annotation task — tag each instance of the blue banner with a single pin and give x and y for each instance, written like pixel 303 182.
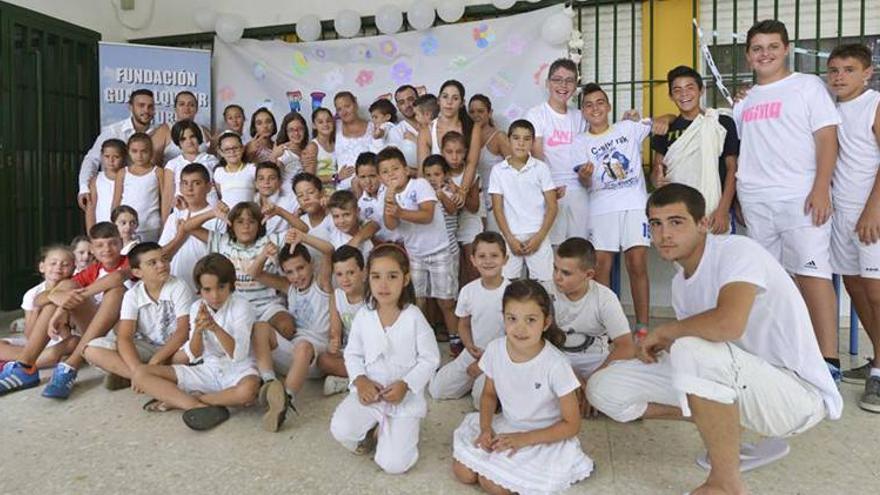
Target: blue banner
pixel 166 71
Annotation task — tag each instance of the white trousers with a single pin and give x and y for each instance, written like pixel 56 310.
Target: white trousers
pixel 772 401
pixel 453 382
pixel 397 448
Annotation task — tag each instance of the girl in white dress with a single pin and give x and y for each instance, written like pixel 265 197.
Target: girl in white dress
pixel 391 356
pixel 102 186
pixel 532 446
pixel 233 179
pixel 292 139
pixel 319 157
pixel 139 186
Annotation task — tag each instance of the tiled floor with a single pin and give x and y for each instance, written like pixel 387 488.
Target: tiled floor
pixel 102 442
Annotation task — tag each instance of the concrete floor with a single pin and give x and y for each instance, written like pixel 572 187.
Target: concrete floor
pixel 102 442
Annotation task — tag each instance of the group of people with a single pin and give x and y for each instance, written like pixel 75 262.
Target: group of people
pixel 207 283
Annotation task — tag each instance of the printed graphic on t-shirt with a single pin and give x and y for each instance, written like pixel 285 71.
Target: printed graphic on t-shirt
pixel 166 320
pixel 559 137
pixel 303 312
pixel 770 110
pixel 614 169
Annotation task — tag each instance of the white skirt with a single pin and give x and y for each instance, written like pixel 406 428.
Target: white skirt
pixel 537 469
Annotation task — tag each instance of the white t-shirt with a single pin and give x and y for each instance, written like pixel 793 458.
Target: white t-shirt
pixel 291 164
pixel 237 187
pixel 370 208
pixel 776 122
pixel 616 155
pixel 421 239
pixel 30 297
pixel 339 238
pixel 485 309
pixel 277 224
pixel 177 164
pixel 241 257
pixel 778 329
pixel 529 392
pixel 156 320
pixel 346 310
pixel 523 192
pixel 859 156
pixel 557 132
pixel 311 312
pixel 321 231
pixel 192 249
pixel 597 314
pixel 236 317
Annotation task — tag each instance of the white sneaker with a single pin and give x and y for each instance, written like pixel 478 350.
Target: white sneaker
pixel 754 455
pixel 335 385
pixel 17 326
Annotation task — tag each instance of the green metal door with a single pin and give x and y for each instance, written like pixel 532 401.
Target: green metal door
pixel 48 118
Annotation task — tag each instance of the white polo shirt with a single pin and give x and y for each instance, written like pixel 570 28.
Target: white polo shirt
pixel 523 192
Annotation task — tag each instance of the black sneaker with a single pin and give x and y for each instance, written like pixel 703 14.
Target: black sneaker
pixel 205 418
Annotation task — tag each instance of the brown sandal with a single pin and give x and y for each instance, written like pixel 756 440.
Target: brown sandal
pixel 156 406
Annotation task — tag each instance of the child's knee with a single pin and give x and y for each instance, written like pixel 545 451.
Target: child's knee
pixel 463 473
pixel 303 350
pixel 398 461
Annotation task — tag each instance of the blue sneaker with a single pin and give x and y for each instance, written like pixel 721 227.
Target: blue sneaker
pixel 835 373
pixel 61 384
pixel 16 377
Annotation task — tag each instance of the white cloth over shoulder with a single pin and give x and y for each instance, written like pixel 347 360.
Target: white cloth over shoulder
pixel 693 158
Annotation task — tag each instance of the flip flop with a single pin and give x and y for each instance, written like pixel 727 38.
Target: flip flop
pixel 205 418
pixel 156 406
pixel 754 455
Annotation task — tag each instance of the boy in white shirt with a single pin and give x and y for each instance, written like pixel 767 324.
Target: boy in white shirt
pixel 371 203
pixel 383 115
pixel 556 126
pixel 272 198
pixel 222 371
pixel 411 207
pixel 347 300
pixel 588 312
pixel 741 354
pixel 153 321
pixel 480 321
pixel 524 204
pixel 178 245
pixel 343 208
pixel 855 229
pixel 308 302
pixel 788 129
pixel 609 162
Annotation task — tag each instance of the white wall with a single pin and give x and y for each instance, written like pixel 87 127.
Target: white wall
pixel 97 15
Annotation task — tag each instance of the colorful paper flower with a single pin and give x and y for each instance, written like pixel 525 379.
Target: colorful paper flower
pixel 388 48
pixel 259 71
pixel 364 78
pixel 300 63
pixel 333 78
pixel 401 73
pixel 513 112
pixel 483 36
pixel 458 62
pixel 516 45
pixel 226 93
pixel 429 45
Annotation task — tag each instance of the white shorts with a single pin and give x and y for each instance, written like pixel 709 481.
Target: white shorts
pixel 618 230
pixel 266 312
pixel 789 235
pixel 539 263
pixel 849 255
pixel 145 350
pixel 435 275
pixel 573 217
pixel 209 378
pixel 21 340
pixel 469 225
pixel 585 363
pixel 452 380
pixel 772 401
pixel 282 356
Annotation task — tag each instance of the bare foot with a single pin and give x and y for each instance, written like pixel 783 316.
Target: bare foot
pixel 712 488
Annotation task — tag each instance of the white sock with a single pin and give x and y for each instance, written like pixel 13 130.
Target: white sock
pixel 875 372
pixel 66 366
pixel 267 376
pixel 290 393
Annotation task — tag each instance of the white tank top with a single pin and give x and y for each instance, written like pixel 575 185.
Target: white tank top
pixel 484 168
pixel 467 220
pixel 290 164
pixel 141 192
pixel 311 311
pixel 327 164
pixel 346 311
pixel 104 187
pixel 236 187
pixel 172 151
pixel 435 141
pixel 859 156
pixel 348 148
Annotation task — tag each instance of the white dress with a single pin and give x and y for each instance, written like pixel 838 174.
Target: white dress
pixel 238 186
pixel 347 150
pixel 529 393
pixel 104 188
pixel 141 192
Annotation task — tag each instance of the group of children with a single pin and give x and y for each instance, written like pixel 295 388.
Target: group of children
pixel 217 283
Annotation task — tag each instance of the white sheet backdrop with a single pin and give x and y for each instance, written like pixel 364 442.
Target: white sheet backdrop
pixel 503 58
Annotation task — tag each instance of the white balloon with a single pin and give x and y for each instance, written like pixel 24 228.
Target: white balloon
pixel 229 27
pixel 420 15
pixel 450 10
pixel 347 23
pixel 503 4
pixel 389 19
pixel 206 19
pixel 556 29
pixel 308 28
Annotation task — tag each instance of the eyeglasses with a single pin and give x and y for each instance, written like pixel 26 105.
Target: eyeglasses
pixel 568 81
pixel 231 149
